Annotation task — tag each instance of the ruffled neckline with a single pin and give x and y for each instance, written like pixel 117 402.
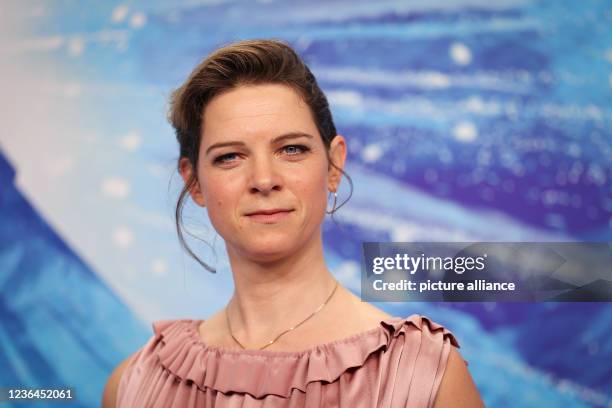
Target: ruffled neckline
pixel 193 325
pixel 181 351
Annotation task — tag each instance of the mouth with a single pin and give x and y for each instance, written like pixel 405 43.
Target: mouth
pixel 269 216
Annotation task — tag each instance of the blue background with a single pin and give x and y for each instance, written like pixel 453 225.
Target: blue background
pixel 466 120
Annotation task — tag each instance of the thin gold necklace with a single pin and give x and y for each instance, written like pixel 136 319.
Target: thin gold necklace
pixel 229 326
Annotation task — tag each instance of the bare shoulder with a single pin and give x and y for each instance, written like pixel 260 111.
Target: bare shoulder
pixel 109 396
pixel 212 331
pixel 457 388
pixel 367 312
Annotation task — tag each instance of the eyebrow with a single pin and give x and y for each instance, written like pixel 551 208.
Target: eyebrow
pixel 285 136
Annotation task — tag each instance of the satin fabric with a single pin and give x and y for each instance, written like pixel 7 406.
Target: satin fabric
pixel 399 363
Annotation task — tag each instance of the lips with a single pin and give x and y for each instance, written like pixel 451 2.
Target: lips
pixel 268 212
pixel 271 216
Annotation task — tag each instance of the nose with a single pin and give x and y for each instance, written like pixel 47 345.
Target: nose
pixel 264 176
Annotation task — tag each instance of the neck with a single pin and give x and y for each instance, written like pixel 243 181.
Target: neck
pixel 273 296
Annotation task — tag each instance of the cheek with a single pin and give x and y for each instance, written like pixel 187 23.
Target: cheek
pixel 218 188
pixel 219 196
pixel 313 190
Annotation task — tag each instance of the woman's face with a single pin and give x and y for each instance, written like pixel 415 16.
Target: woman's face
pixel 261 151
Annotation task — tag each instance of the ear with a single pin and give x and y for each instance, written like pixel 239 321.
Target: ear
pixel 195 192
pixel 337 155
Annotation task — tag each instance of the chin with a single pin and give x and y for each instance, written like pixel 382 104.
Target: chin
pixel 270 250
pixel 266 257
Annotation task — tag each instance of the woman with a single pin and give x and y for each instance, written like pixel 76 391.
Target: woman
pixel 259 151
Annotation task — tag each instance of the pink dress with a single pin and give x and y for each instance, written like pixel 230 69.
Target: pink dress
pixel 400 363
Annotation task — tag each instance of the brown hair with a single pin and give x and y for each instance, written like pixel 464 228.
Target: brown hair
pixel 248 62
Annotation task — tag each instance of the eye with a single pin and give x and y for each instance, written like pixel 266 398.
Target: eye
pixel 225 158
pixel 294 150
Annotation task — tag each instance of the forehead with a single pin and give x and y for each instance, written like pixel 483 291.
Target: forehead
pixel 256 109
